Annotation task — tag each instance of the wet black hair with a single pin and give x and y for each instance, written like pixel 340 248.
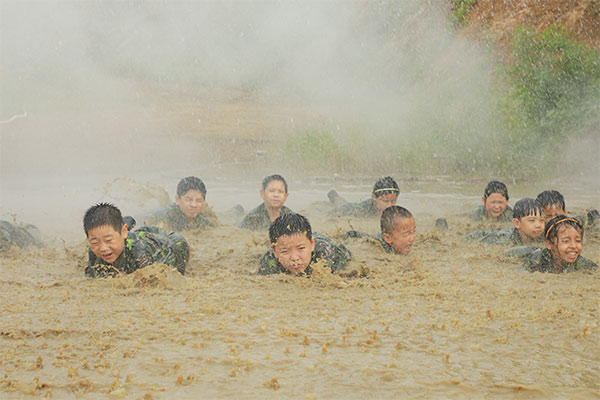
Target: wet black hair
pixel 389 215
pixel 190 183
pixel 550 198
pixel 102 214
pixel 526 207
pixel 385 185
pixel 495 187
pixel 272 178
pixel 289 224
pixel 551 229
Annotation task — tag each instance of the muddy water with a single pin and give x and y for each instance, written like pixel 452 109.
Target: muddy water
pixel 450 320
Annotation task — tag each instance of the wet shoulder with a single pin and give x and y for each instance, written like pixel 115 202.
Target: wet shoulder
pixel 256 219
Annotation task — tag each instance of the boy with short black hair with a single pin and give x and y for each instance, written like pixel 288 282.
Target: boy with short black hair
pixel 113 249
pixel 385 194
pixel 528 226
pixel 398 231
pixel 274 192
pixel 553 204
pixel 564 243
pixel 187 211
pixel 294 247
pixel 495 204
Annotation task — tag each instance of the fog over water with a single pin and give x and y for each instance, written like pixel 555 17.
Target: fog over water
pixel 117 101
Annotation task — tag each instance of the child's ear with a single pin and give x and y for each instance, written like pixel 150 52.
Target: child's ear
pixel 312 244
pixel 262 194
pixel 548 245
pixel 517 223
pixel 124 231
pixel 483 200
pixel 373 196
pixel 387 238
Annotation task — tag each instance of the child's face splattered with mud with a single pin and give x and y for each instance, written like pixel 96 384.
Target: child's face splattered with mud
pixel 107 243
pixel 495 204
pixel 567 246
pixel 403 236
pixel 191 203
pixel 294 251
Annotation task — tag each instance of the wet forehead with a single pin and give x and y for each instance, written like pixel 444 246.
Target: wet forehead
pixel 275 185
pixel 193 194
pixel 294 240
pixel 403 224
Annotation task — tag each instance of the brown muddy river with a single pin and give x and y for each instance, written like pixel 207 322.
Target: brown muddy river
pixel 452 320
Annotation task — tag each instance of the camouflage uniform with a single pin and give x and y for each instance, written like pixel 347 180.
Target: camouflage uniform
pixel 364 209
pixel 541 260
pixel 258 219
pixel 497 236
pixel 480 214
pixel 336 257
pixel 521 252
pixel 379 237
pixel 12 235
pixel 175 220
pixel 143 247
pixel 386 246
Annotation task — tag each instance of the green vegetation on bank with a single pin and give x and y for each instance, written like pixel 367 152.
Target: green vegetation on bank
pixel 460 9
pixel 545 100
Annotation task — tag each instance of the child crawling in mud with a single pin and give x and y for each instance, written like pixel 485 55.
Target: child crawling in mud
pixel 528 226
pixel 398 231
pixel 495 204
pixel 294 248
pixel 113 249
pixel 385 194
pixel 564 243
pixel 188 210
pixel 274 193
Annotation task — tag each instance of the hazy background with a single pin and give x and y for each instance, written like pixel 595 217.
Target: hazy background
pixel 93 91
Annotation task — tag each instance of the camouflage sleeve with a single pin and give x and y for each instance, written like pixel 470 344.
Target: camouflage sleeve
pixel 584 263
pixel 362 209
pixel 252 221
pixel 476 236
pixel 522 252
pixel 161 247
pixel 97 269
pixel 336 255
pixel 268 264
pixel 540 260
pixel 478 213
pixel 354 234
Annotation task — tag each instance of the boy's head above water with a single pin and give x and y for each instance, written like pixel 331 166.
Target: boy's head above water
pixel 292 242
pixel 564 239
pixel 398 229
pixel 495 198
pixel 274 191
pixel 553 204
pixel 105 231
pixel 528 218
pixel 191 196
pixel 385 193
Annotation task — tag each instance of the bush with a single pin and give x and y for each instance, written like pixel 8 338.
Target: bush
pixel 552 93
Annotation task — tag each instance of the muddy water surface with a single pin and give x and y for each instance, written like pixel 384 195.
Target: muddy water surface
pixel 450 320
